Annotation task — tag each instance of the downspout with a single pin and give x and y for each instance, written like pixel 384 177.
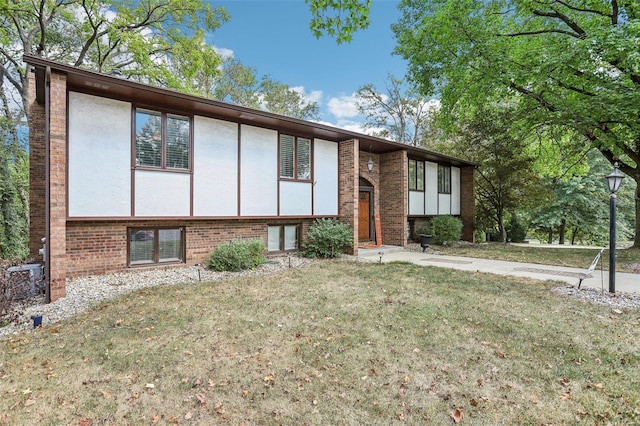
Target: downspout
pixel 47 202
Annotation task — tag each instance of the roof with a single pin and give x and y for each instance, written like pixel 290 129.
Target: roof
pixel 120 88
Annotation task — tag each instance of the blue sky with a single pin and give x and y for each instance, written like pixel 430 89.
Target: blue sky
pixel 273 37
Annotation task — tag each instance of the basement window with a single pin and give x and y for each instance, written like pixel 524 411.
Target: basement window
pixel 148 246
pixel 282 238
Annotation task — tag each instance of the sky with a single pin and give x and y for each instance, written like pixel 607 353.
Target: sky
pixel 273 36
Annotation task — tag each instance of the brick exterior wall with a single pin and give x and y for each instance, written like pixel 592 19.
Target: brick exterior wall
pixel 36 170
pixel 348 157
pixel 467 203
pixel 100 247
pixel 58 185
pixel 394 197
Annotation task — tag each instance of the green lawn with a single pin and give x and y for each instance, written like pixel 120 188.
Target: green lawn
pixel 328 344
pixel 627 260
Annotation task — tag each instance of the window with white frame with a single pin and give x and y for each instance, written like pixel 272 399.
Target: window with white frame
pixel 155 245
pixel 444 179
pixel 282 238
pixel 295 158
pixel 163 140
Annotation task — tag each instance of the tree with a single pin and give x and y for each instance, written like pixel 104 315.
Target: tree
pixel 154 41
pixel 571 64
pixel 567 63
pixel 281 99
pixel 239 84
pixel 506 180
pixel 338 18
pixel 579 206
pixel 403 117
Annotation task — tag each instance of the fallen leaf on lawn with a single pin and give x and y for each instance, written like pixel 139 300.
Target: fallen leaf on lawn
pixel 473 403
pixel 617 311
pixel 85 422
pixel 219 408
pixel 29 402
pixel 202 398
pixel 598 361
pixel 150 386
pixel 155 419
pixel 457 415
pixel 501 354
pixel 188 415
pixel 173 420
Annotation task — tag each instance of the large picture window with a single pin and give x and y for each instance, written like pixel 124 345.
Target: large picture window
pixel 162 140
pixel 155 245
pixel 295 158
pixel 444 179
pixel 282 238
pixel 416 175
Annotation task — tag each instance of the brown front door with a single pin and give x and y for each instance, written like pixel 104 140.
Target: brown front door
pixel 364 216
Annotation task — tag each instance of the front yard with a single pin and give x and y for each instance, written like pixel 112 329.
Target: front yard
pixel 331 343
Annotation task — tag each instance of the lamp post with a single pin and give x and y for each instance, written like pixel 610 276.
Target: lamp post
pixel 613 180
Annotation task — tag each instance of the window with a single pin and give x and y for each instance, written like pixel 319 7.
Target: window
pixel 282 238
pixel 155 245
pixel 295 157
pixel 416 175
pixel 444 179
pixel 162 140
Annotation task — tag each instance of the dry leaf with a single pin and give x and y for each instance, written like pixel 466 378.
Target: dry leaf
pixel 457 415
pixel 202 398
pixel 150 386
pixel 155 419
pixel 29 402
pixel 188 415
pixel 85 422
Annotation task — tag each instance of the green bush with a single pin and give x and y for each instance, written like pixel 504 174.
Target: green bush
pixel 516 230
pixel 237 255
pixel 445 230
pixel 327 238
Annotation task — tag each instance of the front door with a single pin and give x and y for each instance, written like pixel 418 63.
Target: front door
pixel 364 216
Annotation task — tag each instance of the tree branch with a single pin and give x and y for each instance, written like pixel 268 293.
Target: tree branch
pixel 564 18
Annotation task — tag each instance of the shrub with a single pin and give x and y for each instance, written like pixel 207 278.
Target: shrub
pixel 237 255
pixel 516 230
pixel 327 238
pixel 445 230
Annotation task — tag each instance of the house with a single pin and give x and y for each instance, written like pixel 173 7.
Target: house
pixel 125 175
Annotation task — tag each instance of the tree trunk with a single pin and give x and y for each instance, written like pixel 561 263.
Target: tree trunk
pixel 550 238
pixel 573 235
pixel 563 228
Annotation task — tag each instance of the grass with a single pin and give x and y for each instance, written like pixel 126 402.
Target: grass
pixel 627 260
pixel 331 343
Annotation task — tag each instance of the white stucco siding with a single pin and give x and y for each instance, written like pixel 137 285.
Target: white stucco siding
pixel 99 157
pixel 455 190
pixel 215 167
pixel 161 193
pixel 325 174
pixel 431 188
pixel 258 171
pixel 295 198
pixel 416 203
pixel 444 204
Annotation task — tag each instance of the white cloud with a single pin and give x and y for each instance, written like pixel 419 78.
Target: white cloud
pixel 224 52
pixel 343 106
pixel 311 97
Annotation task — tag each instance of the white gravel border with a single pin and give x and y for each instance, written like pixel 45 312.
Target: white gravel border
pixel 85 292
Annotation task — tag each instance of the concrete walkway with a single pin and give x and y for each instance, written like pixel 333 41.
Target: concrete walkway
pixel 625 282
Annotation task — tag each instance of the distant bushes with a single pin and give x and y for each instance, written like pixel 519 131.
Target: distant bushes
pixel 445 230
pixel 237 255
pixel 327 238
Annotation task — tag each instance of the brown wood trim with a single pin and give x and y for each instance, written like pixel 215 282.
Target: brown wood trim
pixel 192 125
pixel 239 172
pixel 67 160
pixel 133 160
pixel 313 174
pixel 187 218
